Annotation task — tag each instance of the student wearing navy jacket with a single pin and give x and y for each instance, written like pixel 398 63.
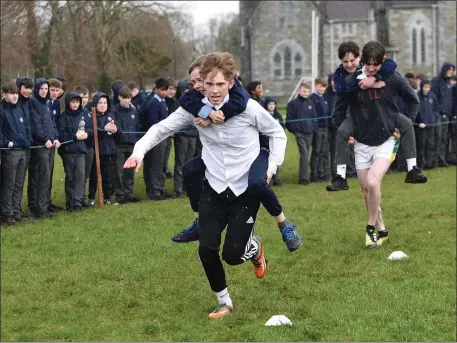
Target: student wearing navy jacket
pixel 127 120
pixel 74 125
pixel 84 94
pixel 425 131
pixel 107 130
pixel 44 133
pixel 300 121
pixel 270 106
pixel 155 111
pixel 16 135
pixel 320 163
pixel 55 90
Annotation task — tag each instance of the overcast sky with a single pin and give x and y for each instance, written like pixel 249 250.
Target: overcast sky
pixel 204 10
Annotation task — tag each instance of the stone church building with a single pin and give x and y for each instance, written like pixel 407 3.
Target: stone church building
pixel 277 45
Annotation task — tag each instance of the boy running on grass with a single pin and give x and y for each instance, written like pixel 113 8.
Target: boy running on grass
pixel 375 115
pixel 229 149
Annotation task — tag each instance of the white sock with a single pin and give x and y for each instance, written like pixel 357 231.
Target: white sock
pixel 382 229
pixel 411 162
pixel 224 297
pixel 341 170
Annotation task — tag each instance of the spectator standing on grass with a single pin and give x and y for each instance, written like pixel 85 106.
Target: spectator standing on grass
pixel 15 134
pixel 300 121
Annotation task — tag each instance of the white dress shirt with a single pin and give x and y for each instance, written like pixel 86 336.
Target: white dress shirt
pixel 229 149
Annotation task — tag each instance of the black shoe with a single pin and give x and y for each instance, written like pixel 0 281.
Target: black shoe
pixel 305 182
pixel 415 176
pixel 169 175
pixel 122 200
pixel 179 195
pixel 189 234
pixel 24 218
pixel 443 165
pixel 54 208
pixel 277 183
pixel 8 220
pixel 157 197
pixel 45 215
pixel 110 202
pixel 133 199
pixel 17 218
pixel 338 184
pixel 76 210
pixel 85 203
pixel 312 178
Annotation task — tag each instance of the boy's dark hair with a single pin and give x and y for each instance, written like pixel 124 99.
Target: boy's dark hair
pixel 81 90
pixel 10 88
pixel 132 85
pixel 421 76
pixel 27 83
pixel 161 84
pixel 426 82
pixel 348 47
pixel 64 83
pixel 373 53
pixel 321 82
pixel 304 85
pixel 413 84
pixel 172 82
pixel 116 83
pixel 409 76
pixel 251 86
pixel 54 83
pixel 125 92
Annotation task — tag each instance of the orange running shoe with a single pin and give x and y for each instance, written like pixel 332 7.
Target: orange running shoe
pixel 220 311
pixel 259 262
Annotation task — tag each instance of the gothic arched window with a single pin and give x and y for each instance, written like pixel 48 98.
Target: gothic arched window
pixel 419 28
pixel 287 59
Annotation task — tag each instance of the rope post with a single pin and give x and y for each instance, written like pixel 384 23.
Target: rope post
pixel 97 159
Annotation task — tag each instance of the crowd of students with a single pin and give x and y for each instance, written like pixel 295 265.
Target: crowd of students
pixel 33 128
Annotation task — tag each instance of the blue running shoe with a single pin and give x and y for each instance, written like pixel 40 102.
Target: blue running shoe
pixel 189 234
pixel 291 237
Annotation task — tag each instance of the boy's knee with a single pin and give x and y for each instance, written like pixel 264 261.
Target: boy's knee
pixel 372 183
pixel 231 258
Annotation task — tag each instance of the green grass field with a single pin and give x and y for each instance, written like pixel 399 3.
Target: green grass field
pixel 113 274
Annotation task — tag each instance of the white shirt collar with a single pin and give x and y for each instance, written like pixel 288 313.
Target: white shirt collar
pixel 217 107
pixel 158 98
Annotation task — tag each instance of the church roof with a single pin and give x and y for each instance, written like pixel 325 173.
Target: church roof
pixel 359 10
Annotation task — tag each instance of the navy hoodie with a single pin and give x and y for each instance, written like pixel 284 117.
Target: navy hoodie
pixel 41 122
pixel 127 121
pixel 298 109
pixel 441 86
pixel 139 100
pixel 429 107
pixel 68 124
pixel 343 84
pixel 153 113
pixel 107 143
pixel 238 100
pixel 15 126
pixel 265 140
pixel 321 106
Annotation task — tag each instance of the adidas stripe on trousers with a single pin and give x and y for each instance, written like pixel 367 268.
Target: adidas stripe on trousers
pixel 218 211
